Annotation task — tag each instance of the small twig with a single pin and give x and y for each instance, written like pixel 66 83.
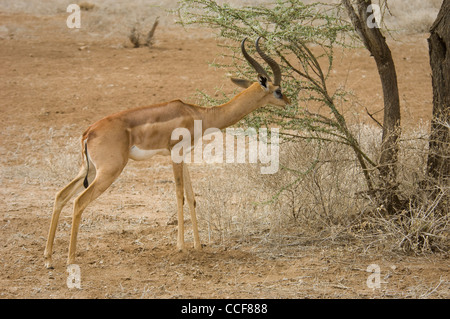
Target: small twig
pixel 134 37
pixel 148 41
pixel 432 291
pixel 340 286
pixel 371 116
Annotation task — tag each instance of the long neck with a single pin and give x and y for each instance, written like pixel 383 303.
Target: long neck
pixel 227 114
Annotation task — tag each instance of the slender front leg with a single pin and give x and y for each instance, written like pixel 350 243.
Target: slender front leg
pixel 191 202
pixel 178 174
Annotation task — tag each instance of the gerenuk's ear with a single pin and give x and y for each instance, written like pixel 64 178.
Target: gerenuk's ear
pixel 242 83
pixel 263 82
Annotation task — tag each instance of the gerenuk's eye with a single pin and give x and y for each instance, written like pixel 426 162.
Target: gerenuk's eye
pixel 278 94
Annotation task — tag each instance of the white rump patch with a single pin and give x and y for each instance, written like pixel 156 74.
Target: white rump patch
pixel 138 154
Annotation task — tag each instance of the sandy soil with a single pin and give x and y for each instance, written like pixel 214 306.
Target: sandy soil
pixel 55 82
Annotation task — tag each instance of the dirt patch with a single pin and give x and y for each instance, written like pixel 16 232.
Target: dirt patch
pixel 54 83
pixel 124 258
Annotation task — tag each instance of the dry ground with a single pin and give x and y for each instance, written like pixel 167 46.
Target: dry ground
pixel 56 81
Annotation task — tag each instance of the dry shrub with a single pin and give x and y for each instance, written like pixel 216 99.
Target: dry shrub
pixel 135 35
pixel 315 190
pixel 419 229
pixel 311 197
pixel 422 225
pixel 230 207
pixel 317 197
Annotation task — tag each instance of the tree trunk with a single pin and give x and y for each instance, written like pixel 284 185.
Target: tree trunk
pixel 375 42
pixel 439 43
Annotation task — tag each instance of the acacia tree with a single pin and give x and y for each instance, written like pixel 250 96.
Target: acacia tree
pixel 303 38
pixel 361 15
pixel 438 166
pixel 290 28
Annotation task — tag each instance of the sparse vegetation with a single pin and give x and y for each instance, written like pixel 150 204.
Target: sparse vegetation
pixel 135 35
pixel 318 185
pixel 265 236
pixel 326 204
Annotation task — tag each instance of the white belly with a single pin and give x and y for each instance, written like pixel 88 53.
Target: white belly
pixel 141 155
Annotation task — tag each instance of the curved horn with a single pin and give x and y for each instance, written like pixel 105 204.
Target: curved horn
pixel 258 68
pixel 271 62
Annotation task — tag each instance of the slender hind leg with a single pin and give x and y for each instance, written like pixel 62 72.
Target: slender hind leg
pixel 102 181
pixel 61 199
pixel 178 174
pixel 191 202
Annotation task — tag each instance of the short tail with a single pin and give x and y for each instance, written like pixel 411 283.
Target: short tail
pixel 86 182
